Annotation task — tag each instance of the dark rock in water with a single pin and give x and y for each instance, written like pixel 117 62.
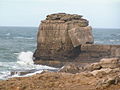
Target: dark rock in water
pixel 25 72
pixel 57 38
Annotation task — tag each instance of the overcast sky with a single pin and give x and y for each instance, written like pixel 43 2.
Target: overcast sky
pixel 100 13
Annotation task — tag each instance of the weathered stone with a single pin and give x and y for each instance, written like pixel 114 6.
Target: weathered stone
pixel 63 16
pixel 92 67
pixel 107 82
pixel 86 74
pixel 95 52
pixel 101 72
pixel 71 68
pixel 80 23
pixel 81 35
pixel 53 40
pixel 95 48
pixel 109 62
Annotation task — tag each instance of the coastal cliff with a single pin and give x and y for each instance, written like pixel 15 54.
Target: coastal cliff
pixel 64 38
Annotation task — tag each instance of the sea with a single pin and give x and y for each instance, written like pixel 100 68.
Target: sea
pixel 17 45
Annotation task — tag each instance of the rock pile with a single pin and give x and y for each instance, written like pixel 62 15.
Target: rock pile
pixel 61 35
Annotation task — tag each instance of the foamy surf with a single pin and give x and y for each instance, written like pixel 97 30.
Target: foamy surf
pixel 25 58
pixel 24 63
pixel 20 37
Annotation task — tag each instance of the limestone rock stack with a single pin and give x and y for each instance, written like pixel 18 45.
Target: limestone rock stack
pixel 61 35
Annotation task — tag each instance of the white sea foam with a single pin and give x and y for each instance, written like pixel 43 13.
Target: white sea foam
pixel 30 74
pixel 7 34
pixel 30 38
pixel 24 62
pixel 112 40
pixel 98 41
pixel 116 40
pixel 25 58
pixel 20 37
pixel 4 75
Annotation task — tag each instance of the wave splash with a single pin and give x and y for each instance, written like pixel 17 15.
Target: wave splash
pixel 24 63
pixel 25 58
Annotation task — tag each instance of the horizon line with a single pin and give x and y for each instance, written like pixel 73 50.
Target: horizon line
pixel 92 27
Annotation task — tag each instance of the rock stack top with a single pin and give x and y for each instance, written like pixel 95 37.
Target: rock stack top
pixel 63 17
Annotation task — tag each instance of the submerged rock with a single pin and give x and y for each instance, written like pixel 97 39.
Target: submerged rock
pixel 57 38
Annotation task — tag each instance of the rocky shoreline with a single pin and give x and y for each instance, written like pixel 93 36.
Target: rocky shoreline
pixel 103 75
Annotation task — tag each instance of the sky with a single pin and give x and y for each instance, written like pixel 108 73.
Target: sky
pixel 100 13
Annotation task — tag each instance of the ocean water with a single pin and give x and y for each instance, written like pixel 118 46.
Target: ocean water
pixel 17 45
pixel 107 36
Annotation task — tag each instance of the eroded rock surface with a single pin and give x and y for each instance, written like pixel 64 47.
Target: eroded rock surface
pixel 81 35
pixel 105 73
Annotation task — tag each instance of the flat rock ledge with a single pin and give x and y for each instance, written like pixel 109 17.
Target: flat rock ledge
pixel 103 75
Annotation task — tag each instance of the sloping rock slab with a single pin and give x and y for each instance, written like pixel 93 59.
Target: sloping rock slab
pixel 81 35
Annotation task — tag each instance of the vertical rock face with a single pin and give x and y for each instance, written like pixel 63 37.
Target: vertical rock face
pixel 61 35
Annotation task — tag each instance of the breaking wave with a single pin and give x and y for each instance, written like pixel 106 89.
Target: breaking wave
pixel 24 63
pixel 25 58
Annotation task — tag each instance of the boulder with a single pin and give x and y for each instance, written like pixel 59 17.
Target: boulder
pixel 81 35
